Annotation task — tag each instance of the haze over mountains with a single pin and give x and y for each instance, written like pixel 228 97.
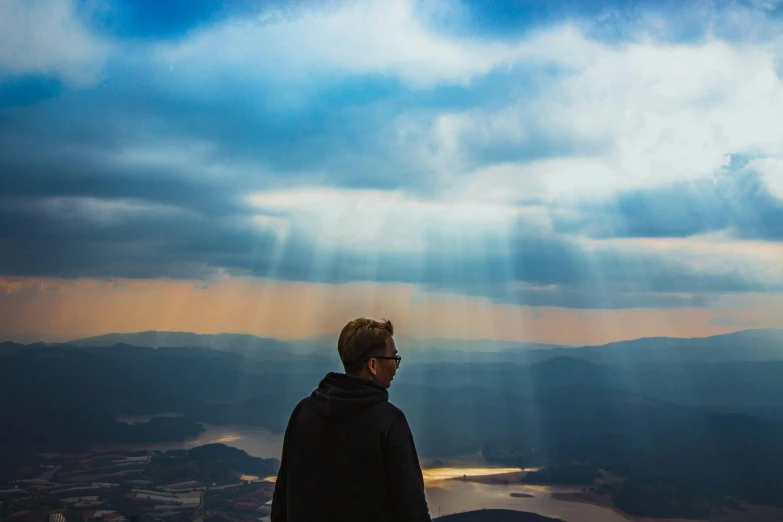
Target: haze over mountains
pixel 704 413
pixel 723 372
pixel 746 345
pixel 497 515
pixel 269 348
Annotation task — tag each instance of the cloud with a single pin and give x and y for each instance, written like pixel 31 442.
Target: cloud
pixel 771 171
pixel 424 45
pixel 366 142
pixel 736 200
pixel 383 38
pixel 381 220
pixel 59 310
pixel 473 250
pixel 619 116
pixel 49 38
pixel 615 20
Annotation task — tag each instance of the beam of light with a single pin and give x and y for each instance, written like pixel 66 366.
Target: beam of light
pixel 435 475
pixel 278 229
pixel 533 418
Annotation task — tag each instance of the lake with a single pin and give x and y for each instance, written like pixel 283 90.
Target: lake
pixel 454 496
pixel 255 441
pixel 444 496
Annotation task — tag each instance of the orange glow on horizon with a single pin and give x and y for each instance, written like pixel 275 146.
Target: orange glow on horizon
pixel 60 309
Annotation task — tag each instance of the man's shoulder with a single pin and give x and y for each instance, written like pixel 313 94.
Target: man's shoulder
pixel 383 406
pixel 394 410
pixel 393 413
pixel 381 410
pixel 302 405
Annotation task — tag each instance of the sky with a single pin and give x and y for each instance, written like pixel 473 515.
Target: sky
pixel 571 172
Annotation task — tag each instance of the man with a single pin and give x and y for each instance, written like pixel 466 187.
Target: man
pixel 348 454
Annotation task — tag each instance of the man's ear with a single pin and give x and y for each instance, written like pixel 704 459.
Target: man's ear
pixel 372 366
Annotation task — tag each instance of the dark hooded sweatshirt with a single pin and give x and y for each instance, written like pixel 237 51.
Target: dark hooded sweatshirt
pixel 348 456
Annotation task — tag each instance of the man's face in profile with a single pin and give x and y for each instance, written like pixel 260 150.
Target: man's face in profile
pixel 385 369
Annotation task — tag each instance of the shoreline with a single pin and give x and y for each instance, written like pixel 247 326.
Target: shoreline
pixel 577 498
pixel 757 513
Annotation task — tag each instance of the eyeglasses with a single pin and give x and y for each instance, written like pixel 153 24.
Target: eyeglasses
pixel 397 359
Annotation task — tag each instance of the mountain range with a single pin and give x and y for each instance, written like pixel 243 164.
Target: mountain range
pixel 245 344
pixel 746 345
pixel 684 411
pixel 496 515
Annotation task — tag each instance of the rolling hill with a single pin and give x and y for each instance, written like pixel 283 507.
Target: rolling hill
pixel 245 344
pixel 687 422
pixel 496 515
pixel 746 345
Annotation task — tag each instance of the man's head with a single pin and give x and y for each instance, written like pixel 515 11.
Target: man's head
pixel 367 350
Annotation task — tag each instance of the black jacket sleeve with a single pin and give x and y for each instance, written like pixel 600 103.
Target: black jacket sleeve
pixel 280 496
pixel 404 480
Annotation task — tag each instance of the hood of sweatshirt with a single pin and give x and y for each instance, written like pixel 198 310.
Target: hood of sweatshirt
pixel 339 395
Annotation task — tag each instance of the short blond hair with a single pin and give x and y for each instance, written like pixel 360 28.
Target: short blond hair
pixel 359 337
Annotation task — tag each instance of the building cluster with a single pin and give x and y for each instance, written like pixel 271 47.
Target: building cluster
pixel 252 500
pixel 118 487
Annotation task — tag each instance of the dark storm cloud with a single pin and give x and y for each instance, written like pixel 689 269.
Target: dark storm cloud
pixel 146 173
pixel 555 271
pixel 737 201
pixel 77 237
pixel 145 244
pixel 247 129
pixel 64 156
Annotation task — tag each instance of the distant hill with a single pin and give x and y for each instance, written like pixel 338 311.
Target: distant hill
pixel 685 423
pixel 9 347
pixel 740 372
pixel 497 515
pixel 216 458
pixel 554 372
pixel 569 370
pixel 746 345
pixel 244 344
pixel 486 345
pixel 415 349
